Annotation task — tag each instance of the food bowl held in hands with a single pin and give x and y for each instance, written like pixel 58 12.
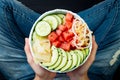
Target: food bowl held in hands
pixel 60 41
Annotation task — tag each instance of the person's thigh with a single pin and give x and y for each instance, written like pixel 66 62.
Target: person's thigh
pixel 104 21
pixel 96 16
pixel 15 23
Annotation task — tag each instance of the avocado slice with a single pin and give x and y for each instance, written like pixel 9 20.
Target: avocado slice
pixel 64 60
pixel 68 64
pixel 57 63
pixel 74 59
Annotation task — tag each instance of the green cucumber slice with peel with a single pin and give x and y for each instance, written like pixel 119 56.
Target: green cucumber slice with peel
pixel 52 21
pixel 87 51
pixel 62 16
pixel 58 19
pixel 43 28
pixel 84 53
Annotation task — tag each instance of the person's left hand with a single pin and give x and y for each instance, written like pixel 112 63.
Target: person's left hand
pixel 41 74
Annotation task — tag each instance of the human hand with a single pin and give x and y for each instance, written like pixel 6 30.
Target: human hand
pixel 81 72
pixel 41 74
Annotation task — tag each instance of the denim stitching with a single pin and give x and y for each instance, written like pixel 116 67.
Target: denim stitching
pixel 5 16
pixel 27 18
pixel 110 25
pixel 5 7
pixel 22 14
pixel 13 34
pixel 13 9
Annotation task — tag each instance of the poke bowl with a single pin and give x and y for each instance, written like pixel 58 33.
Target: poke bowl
pixel 60 41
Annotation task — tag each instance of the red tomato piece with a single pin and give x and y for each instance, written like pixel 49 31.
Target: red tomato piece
pixel 60 38
pixel 56 43
pixel 68 35
pixel 69 17
pixel 68 24
pixel 69 39
pixel 59 32
pixel 52 36
pixel 62 27
pixel 65 46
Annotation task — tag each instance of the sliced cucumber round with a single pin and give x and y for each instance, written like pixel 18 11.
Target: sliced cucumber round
pixel 58 19
pixel 43 28
pixel 52 21
pixel 62 16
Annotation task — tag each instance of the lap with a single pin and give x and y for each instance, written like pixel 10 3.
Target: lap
pixel 12 45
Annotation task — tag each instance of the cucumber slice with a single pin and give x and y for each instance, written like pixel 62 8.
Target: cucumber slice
pixel 58 19
pixel 87 51
pixel 52 21
pixel 62 16
pixel 43 28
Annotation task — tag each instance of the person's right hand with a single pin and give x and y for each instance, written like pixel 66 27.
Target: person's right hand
pixel 41 74
pixel 81 72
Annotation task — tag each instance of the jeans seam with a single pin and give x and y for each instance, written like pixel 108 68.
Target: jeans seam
pixel 19 13
pixel 27 18
pixel 7 22
pixel 4 8
pixel 110 25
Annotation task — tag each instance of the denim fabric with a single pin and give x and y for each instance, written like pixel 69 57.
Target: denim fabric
pixel 16 21
pixel 104 20
pixel 15 24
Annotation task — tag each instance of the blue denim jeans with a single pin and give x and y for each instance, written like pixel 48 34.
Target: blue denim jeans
pixel 16 21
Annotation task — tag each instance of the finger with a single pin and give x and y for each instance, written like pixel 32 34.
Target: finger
pixel 52 75
pixel 94 49
pixel 26 48
pixel 94 46
pixel 27 51
pixel 93 52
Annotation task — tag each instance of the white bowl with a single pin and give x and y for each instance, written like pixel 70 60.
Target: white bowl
pixel 63 12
